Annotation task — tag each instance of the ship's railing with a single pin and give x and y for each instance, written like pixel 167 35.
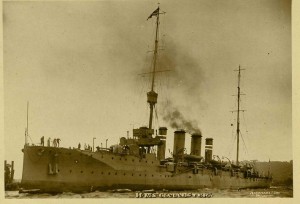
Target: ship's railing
pixel 40 145
pixel 34 144
pixel 103 149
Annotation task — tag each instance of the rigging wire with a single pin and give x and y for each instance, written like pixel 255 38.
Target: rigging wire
pixel 233 136
pixel 245 122
pixel 30 138
pixel 246 135
pixel 141 92
pixel 232 147
pixel 244 143
pixel 156 116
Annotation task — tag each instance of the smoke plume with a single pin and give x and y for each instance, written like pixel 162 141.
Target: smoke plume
pixel 177 120
pixel 186 77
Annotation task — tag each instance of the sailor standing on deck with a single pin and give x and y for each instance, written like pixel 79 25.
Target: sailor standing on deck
pixel 54 142
pixel 48 142
pixel 42 141
pixel 57 140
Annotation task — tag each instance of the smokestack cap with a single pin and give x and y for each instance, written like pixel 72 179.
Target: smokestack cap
pixel 180 131
pixel 196 135
pixel 163 128
pixel 162 131
pixel 209 141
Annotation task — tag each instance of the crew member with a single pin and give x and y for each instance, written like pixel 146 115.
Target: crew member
pixel 42 141
pixel 48 142
pixel 58 140
pixel 54 143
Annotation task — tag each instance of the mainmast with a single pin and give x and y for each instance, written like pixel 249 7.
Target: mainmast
pixel 152 95
pixel 238 116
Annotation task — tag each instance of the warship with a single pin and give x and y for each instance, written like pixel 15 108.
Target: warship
pixel 138 162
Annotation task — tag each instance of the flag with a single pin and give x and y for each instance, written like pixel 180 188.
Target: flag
pixel 155 13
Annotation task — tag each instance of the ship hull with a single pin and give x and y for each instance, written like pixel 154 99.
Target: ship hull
pixel 53 169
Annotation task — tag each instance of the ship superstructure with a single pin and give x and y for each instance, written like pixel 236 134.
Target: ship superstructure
pixel 138 162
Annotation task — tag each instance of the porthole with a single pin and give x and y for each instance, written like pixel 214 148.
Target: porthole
pixel 124 174
pixel 116 173
pixel 108 173
pixel 70 171
pixel 112 158
pixel 101 172
pixel 92 172
pixel 81 171
pixel 140 174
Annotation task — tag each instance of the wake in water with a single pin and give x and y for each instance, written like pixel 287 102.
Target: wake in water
pixel 273 192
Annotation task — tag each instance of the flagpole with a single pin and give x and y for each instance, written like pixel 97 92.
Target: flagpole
pixel 155 50
pixel 26 132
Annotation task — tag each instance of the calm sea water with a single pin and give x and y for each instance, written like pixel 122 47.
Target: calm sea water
pixel 273 192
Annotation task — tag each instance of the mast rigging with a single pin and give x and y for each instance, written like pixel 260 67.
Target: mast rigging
pixel 152 95
pixel 238 116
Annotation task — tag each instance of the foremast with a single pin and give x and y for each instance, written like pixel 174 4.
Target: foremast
pixel 152 95
pixel 144 135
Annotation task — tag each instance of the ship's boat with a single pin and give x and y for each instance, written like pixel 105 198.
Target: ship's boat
pixel 136 163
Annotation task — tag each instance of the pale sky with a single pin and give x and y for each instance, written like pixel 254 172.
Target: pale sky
pixel 78 65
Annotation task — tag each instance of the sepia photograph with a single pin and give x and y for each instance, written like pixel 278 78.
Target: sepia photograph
pixel 147 99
